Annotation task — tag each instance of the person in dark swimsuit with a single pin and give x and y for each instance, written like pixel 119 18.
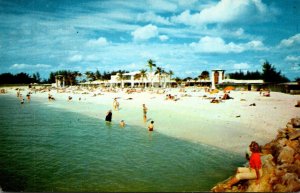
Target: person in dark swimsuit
pixel 108 116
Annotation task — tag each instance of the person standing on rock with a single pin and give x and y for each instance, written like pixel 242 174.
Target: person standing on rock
pixel 254 171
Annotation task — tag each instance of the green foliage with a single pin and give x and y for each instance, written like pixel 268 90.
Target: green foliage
pixel 245 76
pixel 90 76
pixel 98 75
pixel 36 77
pixel 151 64
pixel 204 75
pixel 188 78
pixel 269 74
pixel 178 80
pixel 69 76
pixel 20 78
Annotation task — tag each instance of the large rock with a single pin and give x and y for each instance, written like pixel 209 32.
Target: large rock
pixel 294 135
pixel 290 168
pixel 264 184
pixel 282 142
pixel 296 122
pixel 286 155
pixel 291 181
pixel 293 144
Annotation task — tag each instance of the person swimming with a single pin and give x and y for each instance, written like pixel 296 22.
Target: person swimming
pixel 122 123
pixel 151 126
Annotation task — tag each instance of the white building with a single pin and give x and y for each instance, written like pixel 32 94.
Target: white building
pixel 217 76
pixel 59 81
pixel 151 79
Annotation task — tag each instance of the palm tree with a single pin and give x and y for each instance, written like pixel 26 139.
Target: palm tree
pixel 90 75
pixel 171 73
pixel 120 77
pixel 137 77
pixel 159 71
pixel 98 75
pixel 178 80
pixel 151 64
pixel 72 76
pixel 143 75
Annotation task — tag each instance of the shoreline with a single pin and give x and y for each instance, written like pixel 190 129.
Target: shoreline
pixel 231 124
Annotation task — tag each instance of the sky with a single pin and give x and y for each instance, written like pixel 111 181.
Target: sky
pixel 185 36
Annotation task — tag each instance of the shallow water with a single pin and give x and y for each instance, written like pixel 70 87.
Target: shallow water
pixel 49 149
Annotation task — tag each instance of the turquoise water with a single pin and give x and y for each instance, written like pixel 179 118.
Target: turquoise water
pixel 50 149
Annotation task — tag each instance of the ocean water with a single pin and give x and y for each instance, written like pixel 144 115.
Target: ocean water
pixel 49 149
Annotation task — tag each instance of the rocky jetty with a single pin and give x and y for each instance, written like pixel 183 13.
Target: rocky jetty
pixel 281 164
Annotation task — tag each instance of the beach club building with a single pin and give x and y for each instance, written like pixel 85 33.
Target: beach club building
pixel 219 80
pixel 132 80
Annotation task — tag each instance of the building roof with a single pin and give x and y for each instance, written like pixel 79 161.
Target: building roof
pixel 132 73
pixel 242 81
pixel 217 70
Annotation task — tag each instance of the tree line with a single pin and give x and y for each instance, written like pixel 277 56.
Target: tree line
pixel 268 74
pixel 70 77
pixel 20 78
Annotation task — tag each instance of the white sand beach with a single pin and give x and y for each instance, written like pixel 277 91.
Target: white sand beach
pixel 231 124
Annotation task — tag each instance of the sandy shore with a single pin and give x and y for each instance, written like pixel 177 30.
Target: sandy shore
pixel 231 124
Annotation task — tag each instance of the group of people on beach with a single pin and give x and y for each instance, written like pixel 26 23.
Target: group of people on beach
pixel 108 117
pixel 220 99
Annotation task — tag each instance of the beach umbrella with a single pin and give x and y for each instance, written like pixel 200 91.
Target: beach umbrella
pixel 228 88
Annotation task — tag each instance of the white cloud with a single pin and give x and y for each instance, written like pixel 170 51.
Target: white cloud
pixel 225 11
pixel 163 37
pixel 239 32
pixel 98 42
pixel 295 67
pixel 241 66
pixel 209 44
pixel 29 66
pixel 292 41
pixel 152 18
pixel 145 33
pixel 292 58
pixel 75 58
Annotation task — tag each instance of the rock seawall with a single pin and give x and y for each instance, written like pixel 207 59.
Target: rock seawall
pixel 281 164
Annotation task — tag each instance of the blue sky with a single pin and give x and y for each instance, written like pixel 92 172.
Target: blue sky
pixel 185 36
